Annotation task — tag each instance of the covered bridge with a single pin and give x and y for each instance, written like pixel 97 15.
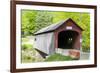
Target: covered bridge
pixel 63 36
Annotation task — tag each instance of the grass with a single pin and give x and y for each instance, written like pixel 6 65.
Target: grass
pixel 25 39
pixel 27 56
pixel 27 59
pixel 58 57
pixel 26 46
pixel 28 53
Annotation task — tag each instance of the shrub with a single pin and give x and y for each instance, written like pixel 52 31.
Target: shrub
pixel 86 49
pixel 27 59
pixel 24 39
pixel 26 46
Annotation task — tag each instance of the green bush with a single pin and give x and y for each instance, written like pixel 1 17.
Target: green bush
pixel 27 59
pixel 85 49
pixel 24 39
pixel 26 46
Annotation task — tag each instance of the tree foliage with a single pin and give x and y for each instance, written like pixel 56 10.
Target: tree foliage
pixel 43 19
pixel 28 21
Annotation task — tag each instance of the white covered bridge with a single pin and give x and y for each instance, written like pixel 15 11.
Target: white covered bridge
pixel 63 37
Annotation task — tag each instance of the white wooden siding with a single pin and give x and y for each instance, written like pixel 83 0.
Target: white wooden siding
pixel 45 42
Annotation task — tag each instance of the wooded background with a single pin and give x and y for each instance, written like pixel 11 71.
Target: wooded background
pixel 34 20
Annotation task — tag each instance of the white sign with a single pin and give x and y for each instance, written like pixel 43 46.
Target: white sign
pixel 68 27
pixel 80 40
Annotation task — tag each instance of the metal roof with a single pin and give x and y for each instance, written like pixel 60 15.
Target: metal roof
pixel 53 27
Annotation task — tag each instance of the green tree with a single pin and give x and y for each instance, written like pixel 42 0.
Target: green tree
pixel 43 19
pixel 28 21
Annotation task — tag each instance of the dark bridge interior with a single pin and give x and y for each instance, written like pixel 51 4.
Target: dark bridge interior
pixel 67 39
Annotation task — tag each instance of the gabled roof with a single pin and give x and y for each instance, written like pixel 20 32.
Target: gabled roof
pixel 54 27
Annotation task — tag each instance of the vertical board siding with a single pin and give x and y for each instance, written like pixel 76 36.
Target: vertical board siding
pixel 44 42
